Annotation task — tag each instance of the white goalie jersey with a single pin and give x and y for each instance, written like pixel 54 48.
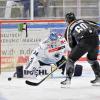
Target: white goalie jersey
pixel 49 51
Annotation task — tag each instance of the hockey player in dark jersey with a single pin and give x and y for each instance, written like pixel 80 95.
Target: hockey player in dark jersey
pixel 83 38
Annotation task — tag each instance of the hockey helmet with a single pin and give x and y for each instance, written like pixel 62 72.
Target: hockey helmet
pixel 69 17
pixel 53 36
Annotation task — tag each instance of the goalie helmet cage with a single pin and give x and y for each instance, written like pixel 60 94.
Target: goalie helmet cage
pixel 20 37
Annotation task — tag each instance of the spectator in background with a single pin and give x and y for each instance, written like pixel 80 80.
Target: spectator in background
pixel 26 10
pixel 52 8
pixel 49 8
pixel 38 8
pixel 10 3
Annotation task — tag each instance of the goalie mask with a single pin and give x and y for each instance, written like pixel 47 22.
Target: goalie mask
pixel 53 37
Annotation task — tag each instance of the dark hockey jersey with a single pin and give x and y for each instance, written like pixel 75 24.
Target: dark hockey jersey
pixel 79 29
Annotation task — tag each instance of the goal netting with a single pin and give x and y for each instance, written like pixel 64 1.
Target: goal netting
pixel 20 37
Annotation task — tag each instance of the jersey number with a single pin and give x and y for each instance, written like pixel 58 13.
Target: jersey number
pixel 81 27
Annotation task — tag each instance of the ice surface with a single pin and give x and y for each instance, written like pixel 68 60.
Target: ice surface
pixel 50 89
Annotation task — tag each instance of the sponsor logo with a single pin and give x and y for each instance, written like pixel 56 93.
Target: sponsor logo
pixel 36 72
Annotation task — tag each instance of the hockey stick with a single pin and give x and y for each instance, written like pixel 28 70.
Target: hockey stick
pixel 36 84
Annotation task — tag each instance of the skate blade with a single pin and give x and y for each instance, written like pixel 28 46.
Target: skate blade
pixel 65 85
pixel 96 84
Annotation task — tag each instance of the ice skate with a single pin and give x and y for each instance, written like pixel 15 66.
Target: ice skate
pixel 66 83
pixel 96 81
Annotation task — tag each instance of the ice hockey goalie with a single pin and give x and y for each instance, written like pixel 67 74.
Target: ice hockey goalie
pixel 52 50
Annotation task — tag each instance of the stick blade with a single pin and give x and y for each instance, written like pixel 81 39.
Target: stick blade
pixel 31 83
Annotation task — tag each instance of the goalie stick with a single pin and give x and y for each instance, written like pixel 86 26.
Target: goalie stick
pixel 36 84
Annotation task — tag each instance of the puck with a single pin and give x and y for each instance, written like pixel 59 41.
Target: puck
pixel 9 79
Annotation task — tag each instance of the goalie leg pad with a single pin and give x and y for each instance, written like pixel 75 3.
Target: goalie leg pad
pixel 19 71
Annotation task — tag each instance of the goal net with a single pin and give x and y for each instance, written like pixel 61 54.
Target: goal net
pixel 20 37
